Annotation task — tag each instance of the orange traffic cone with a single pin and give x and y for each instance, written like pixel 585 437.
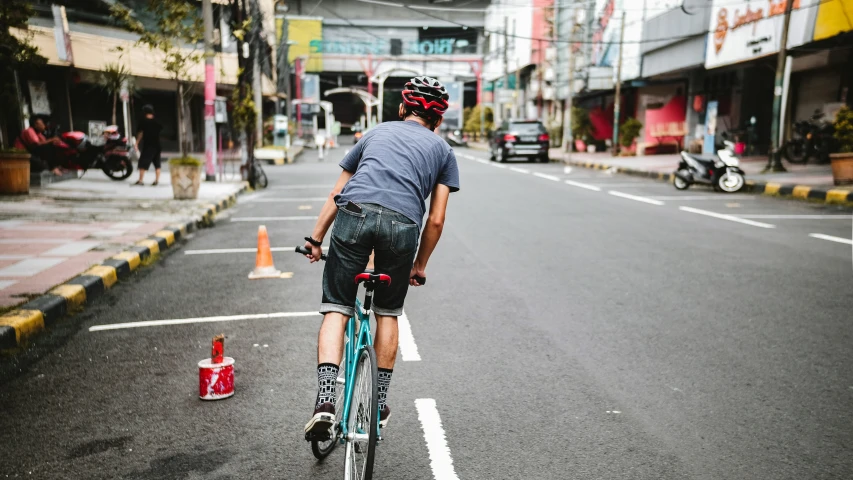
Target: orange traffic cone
pixel 264 267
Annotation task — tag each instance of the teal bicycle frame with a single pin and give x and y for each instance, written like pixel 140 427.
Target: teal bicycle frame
pixel 353 345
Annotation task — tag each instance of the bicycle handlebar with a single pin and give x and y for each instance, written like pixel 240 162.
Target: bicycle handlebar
pixel 304 251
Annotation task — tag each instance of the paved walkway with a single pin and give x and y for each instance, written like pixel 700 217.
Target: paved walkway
pixel 60 230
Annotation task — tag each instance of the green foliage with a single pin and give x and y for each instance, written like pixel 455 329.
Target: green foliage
pixel 179 31
pixel 16 53
pixel 628 131
pixel 185 161
pixel 471 119
pixel 582 128
pixel 111 79
pixel 243 114
pixel 844 130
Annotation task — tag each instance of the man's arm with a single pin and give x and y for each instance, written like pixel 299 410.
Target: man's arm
pixel 432 231
pixel 327 216
pixel 138 138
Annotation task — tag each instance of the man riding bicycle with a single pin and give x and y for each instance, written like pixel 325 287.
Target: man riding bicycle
pixel 378 205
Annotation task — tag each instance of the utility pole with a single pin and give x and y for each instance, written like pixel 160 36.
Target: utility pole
pixel 567 112
pixel 283 83
pixel 506 64
pixel 774 161
pixel 618 100
pixel 209 94
pixel 540 68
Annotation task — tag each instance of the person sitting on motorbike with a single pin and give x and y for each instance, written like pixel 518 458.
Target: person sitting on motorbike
pixel 41 148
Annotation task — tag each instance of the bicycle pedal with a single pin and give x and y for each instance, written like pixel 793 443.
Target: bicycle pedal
pixel 318 437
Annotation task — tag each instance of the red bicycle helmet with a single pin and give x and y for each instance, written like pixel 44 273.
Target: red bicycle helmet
pixel 426 95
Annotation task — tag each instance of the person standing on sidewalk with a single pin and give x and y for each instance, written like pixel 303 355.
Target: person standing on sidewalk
pixel 149 132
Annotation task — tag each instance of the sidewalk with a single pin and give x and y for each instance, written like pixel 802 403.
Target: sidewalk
pixel 63 229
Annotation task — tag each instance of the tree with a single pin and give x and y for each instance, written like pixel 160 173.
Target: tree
pixel 471 119
pixel 15 54
pixel 177 32
pixel 112 78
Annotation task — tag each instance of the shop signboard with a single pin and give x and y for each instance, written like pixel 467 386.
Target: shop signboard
pixel 833 17
pixel 38 97
pixel 746 30
pixel 311 88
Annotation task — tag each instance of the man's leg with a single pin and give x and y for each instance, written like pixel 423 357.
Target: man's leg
pixel 385 344
pixel 330 344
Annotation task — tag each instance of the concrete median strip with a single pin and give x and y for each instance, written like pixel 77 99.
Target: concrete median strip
pixel 18 326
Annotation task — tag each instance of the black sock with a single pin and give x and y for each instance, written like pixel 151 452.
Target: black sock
pixel 384 382
pixel 327 377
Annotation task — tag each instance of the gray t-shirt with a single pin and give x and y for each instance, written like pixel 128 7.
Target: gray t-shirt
pixel 397 165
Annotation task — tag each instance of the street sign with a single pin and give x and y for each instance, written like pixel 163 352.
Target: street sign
pixel 220 110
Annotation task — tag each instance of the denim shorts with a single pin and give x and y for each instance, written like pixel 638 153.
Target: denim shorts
pixel 393 237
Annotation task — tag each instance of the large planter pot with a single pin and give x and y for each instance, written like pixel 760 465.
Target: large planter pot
pixel 14 173
pixel 185 181
pixel 842 168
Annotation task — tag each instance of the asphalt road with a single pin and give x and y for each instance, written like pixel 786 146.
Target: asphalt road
pixel 567 332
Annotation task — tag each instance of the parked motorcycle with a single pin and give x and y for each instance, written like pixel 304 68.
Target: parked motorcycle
pixel 108 153
pixel 454 138
pixel 812 138
pixel 722 170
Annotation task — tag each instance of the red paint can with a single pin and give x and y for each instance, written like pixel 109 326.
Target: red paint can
pixel 215 380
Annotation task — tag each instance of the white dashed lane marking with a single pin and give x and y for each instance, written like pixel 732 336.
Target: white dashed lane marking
pixel 635 198
pixel 519 170
pixel 583 185
pixel 547 177
pixel 830 238
pixel 723 216
pixel 406 341
pixel 439 453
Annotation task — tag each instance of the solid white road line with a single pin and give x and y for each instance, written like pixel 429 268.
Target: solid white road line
pixel 583 185
pixel 214 251
pixel 184 321
pixel 408 349
pixel 497 165
pixel 519 170
pixel 480 160
pixel 821 236
pixel 546 176
pixel 723 216
pixel 270 219
pixel 799 217
pixel 277 200
pixel 635 198
pixel 439 453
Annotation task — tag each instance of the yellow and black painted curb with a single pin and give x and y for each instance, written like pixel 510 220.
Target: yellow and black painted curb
pixel 27 320
pixel 800 192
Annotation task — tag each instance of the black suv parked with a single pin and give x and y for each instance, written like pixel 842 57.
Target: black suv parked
pixel 520 138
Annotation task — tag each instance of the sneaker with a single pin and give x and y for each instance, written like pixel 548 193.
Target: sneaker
pixel 322 421
pixel 384 415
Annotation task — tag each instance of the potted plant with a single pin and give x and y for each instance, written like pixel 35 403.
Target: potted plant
pixel 186 177
pixel 14 171
pixel 582 129
pixel 628 132
pixel 842 162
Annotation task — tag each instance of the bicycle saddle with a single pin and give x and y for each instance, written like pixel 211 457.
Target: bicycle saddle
pixel 373 279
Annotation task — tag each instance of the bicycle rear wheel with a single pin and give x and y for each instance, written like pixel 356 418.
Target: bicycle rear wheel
pixel 260 176
pixel 322 448
pixel 363 423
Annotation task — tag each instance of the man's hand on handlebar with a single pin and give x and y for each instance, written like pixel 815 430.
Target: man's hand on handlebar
pixel 418 276
pixel 316 252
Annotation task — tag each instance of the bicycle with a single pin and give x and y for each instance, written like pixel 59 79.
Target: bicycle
pixel 357 397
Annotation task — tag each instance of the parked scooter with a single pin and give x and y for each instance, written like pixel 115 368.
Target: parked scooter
pixel 812 138
pixel 108 153
pixel 454 138
pixel 722 171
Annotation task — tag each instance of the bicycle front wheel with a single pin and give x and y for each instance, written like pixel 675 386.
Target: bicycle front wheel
pixel 363 424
